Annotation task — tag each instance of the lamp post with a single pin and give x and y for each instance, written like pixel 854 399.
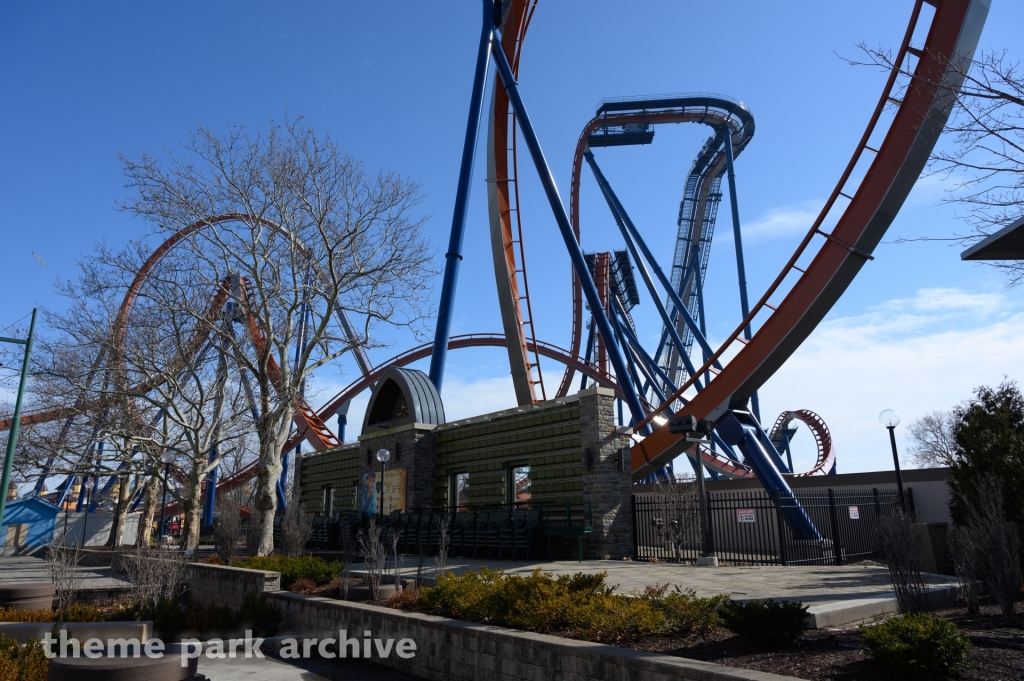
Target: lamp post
pixel 12 437
pixel 890 419
pixel 167 458
pixel 88 484
pixel 382 455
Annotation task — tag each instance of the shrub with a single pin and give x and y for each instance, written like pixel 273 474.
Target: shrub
pixel 403 600
pixel 688 615
pixel 75 612
pixel 318 570
pixel 917 643
pixel 303 585
pixel 259 614
pixel 541 602
pixel 611 618
pixel 22 662
pixel 213 620
pixel 168 616
pixel 768 623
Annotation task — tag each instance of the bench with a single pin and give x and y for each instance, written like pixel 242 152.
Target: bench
pixel 578 528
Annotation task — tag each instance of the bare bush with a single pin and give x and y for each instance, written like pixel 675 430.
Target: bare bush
pixel 227 529
pixel 62 569
pixel 296 528
pixel 966 560
pixel 901 545
pixel 444 541
pixel 993 544
pixel 375 557
pixel 392 539
pixel 253 536
pixel 154 574
pixel 678 521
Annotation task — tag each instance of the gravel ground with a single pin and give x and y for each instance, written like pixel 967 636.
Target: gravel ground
pixel 836 655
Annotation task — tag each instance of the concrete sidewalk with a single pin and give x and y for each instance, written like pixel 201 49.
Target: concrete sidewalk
pixel 97 582
pixel 836 595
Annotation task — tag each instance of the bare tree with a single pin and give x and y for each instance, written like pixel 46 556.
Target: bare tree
pixel 227 528
pixel 153 575
pixel 967 563
pixel 444 541
pixel 932 443
pixel 62 568
pixel 901 545
pixel 985 162
pixel 678 521
pixel 296 528
pixel 375 555
pixel 298 235
pixel 993 545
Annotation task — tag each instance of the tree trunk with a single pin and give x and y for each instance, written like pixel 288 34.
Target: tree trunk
pixel 145 532
pixel 193 507
pixel 265 504
pixel 120 512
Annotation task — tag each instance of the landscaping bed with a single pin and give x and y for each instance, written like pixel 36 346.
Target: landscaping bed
pixel 837 655
pixel 717 630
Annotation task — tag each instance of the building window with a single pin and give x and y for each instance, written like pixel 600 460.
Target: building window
pixel 518 491
pixel 328 504
pixel 458 491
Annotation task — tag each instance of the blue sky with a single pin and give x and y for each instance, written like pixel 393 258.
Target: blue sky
pixel 916 331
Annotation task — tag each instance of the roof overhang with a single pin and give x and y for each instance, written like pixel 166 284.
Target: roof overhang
pixel 1006 244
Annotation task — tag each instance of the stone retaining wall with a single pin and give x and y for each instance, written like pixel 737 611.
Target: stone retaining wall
pixel 223 585
pixel 463 651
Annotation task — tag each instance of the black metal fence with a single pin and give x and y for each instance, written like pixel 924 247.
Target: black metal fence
pixel 750 528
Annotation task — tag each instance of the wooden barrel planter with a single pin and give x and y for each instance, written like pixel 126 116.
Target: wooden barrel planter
pixel 27 596
pixel 142 668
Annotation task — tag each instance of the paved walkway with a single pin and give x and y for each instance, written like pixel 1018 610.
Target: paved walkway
pixel 836 595
pixel 809 584
pixel 19 569
pixel 273 669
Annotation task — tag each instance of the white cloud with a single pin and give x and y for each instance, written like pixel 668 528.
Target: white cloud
pixel 794 218
pixel 914 355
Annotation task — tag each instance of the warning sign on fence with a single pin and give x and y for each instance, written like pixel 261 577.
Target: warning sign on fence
pixel 746 515
pixel 854 513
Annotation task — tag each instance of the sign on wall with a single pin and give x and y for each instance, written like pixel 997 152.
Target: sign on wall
pixel 394 490
pixel 395 484
pixel 368 493
pixel 746 515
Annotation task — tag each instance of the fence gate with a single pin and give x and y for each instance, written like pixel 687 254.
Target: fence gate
pixel 750 528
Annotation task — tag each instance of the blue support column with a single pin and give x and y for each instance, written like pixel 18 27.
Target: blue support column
pixel 588 355
pixel 615 206
pixel 579 263
pixel 342 422
pixel 738 239
pixel 454 255
pixel 665 283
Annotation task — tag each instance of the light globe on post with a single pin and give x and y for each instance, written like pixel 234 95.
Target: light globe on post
pixel 88 485
pixel 890 419
pixel 383 455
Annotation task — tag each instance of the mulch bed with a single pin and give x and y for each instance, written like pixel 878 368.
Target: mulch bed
pixel 836 655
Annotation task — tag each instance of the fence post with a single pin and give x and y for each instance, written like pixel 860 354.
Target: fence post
pixel 837 549
pixel 780 530
pixel 711 532
pixel 910 503
pixel 636 536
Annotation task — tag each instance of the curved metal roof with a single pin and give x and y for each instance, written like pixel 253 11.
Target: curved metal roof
pixel 403 396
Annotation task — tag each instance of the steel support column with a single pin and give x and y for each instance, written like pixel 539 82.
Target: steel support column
pixel 738 239
pixel 454 255
pixel 604 326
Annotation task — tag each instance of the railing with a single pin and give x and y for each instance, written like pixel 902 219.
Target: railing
pixel 744 527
